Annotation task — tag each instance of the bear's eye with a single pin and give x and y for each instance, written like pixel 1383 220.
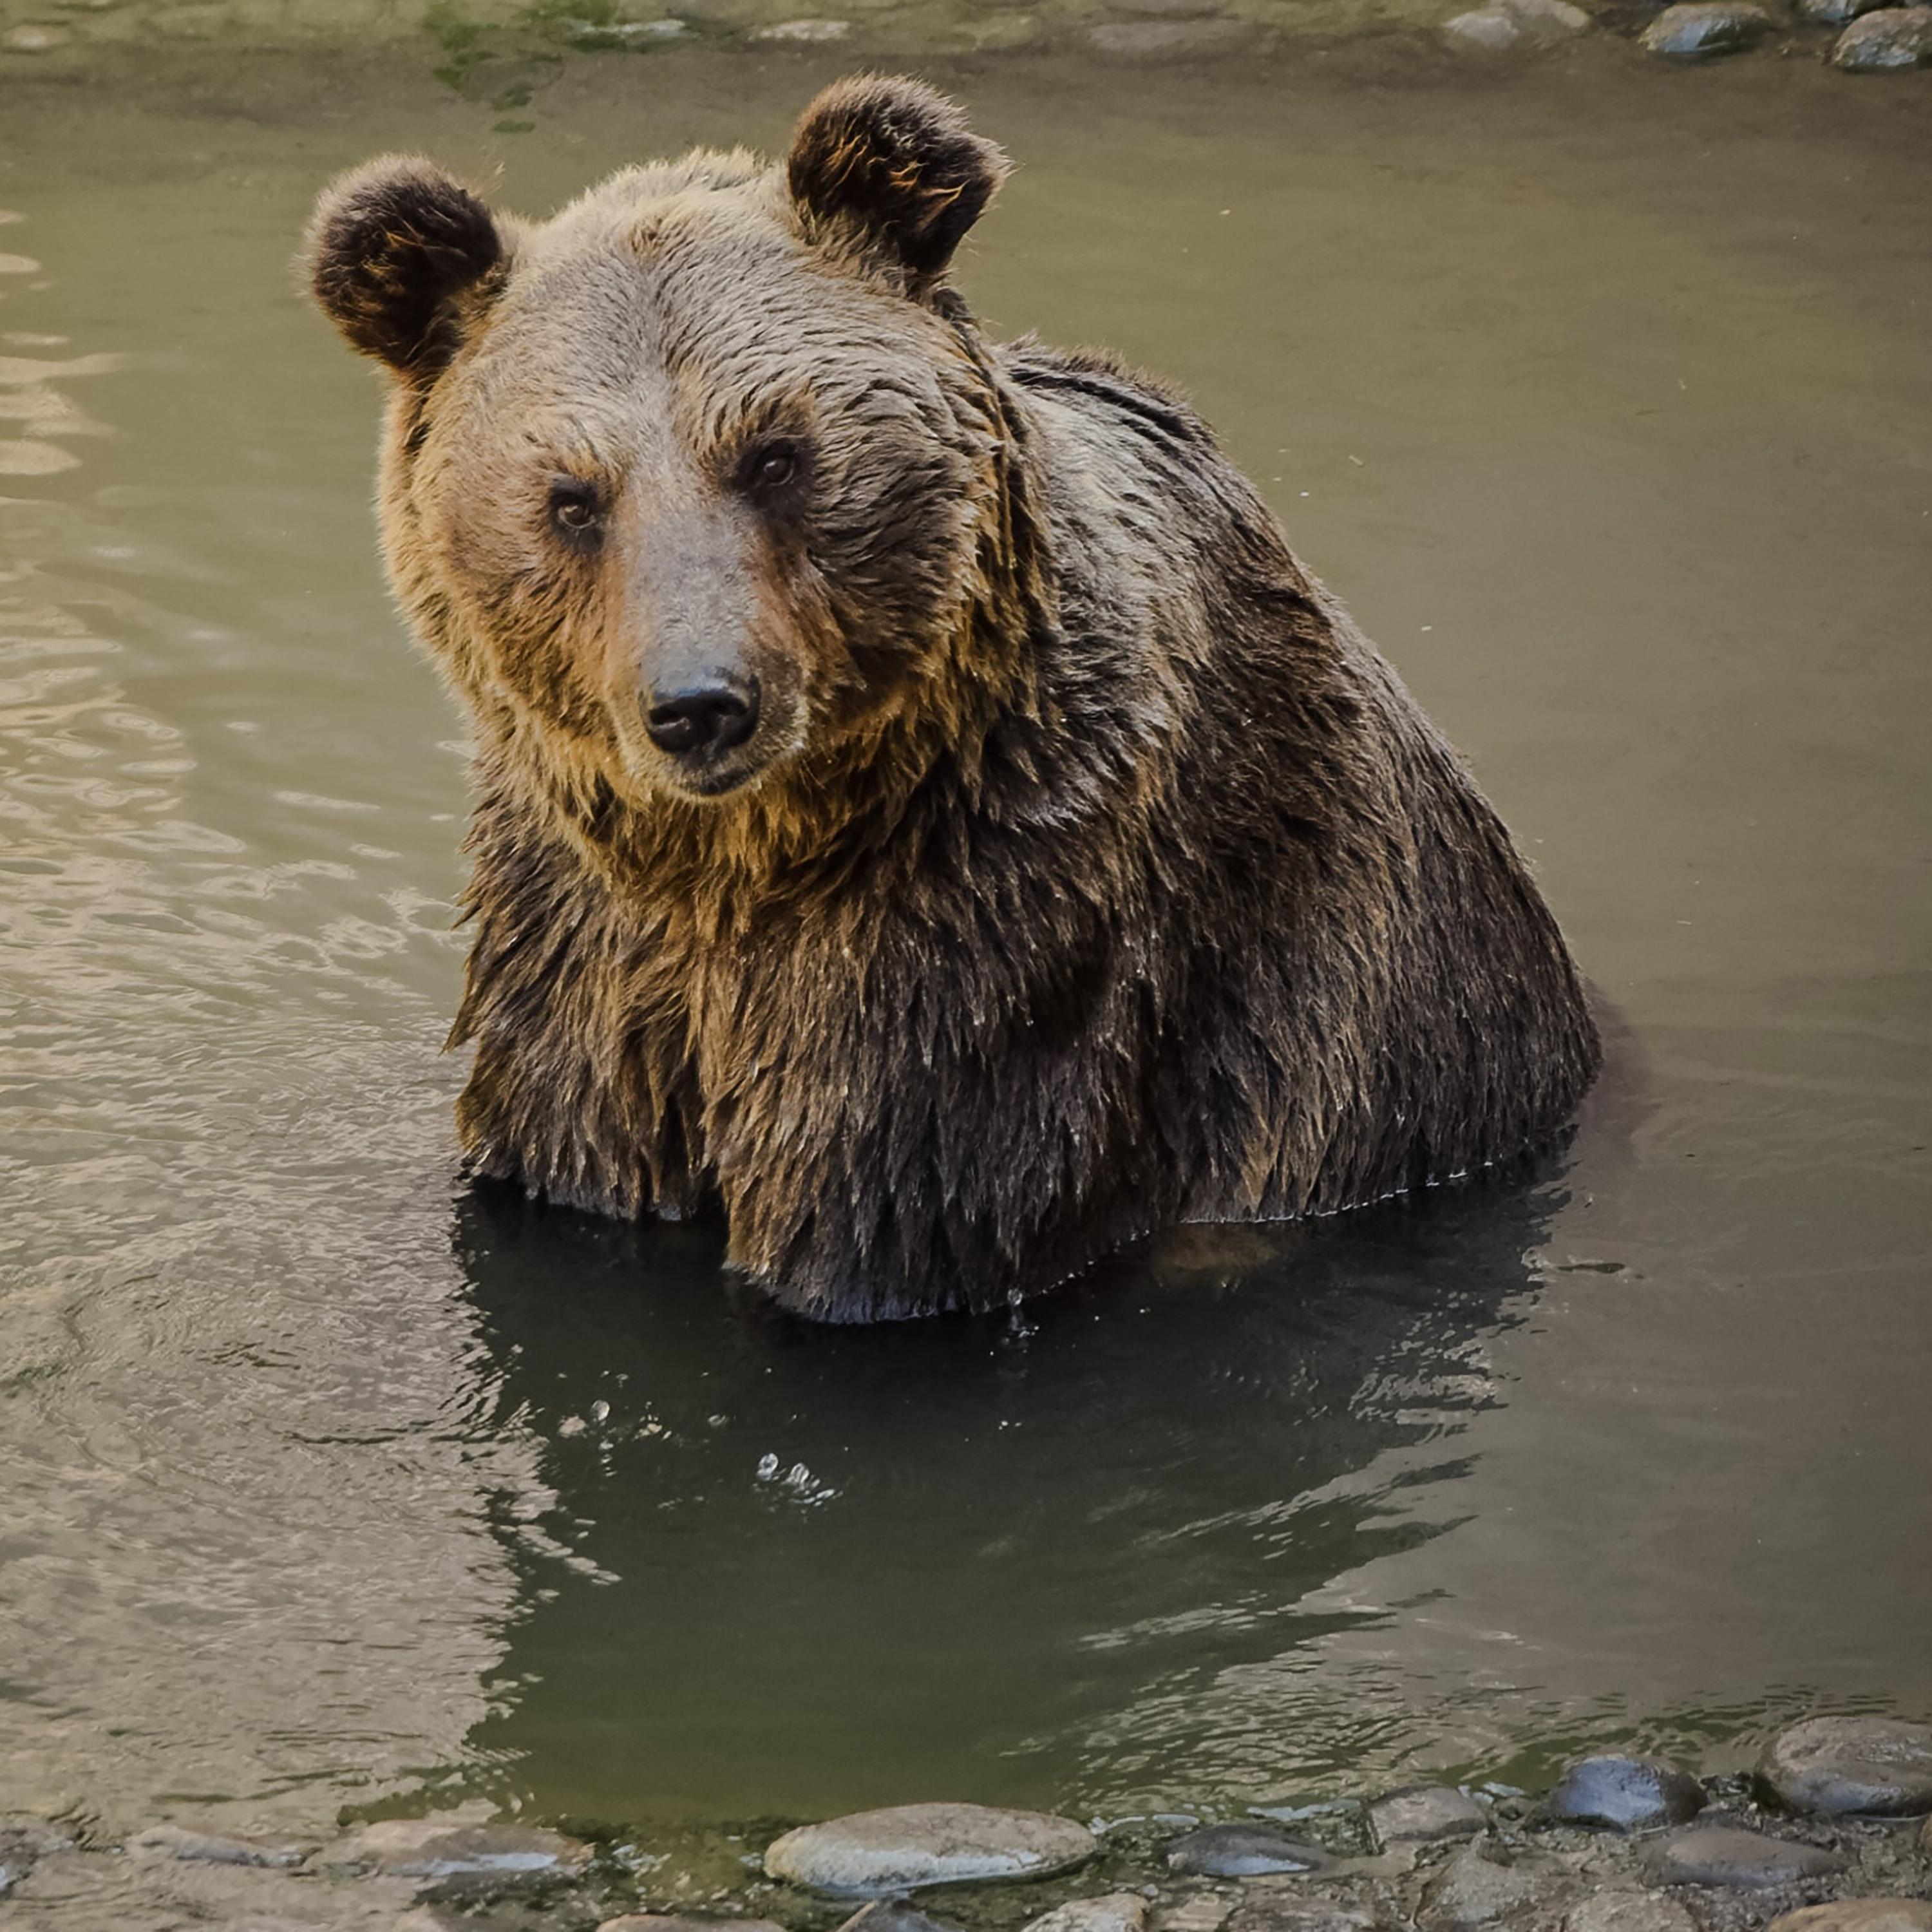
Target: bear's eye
pixel 771 468
pixel 575 507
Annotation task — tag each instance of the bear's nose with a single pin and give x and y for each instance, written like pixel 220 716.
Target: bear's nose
pixel 713 712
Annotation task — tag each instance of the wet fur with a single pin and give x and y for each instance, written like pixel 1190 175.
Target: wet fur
pixel 1110 879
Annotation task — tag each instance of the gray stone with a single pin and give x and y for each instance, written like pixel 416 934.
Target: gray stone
pixel 434 1849
pixel 1428 1812
pixel 1114 1912
pixel 209 1848
pixel 1836 12
pixel 1629 1911
pixel 899 1850
pixel 1701 29
pixel 1876 1766
pixel 1488 29
pixel 1721 1855
pixel 1476 1889
pixel 1279 1910
pixel 1243 1851
pixel 1627 1794
pixel 1887 42
pixel 1859 1915
pixel 1168 40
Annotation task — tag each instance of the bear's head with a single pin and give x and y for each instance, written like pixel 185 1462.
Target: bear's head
pixel 689 486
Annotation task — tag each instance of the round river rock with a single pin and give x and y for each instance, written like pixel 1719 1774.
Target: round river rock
pixel 1885 42
pixel 1701 29
pixel 1859 1915
pixel 1243 1851
pixel 1627 1794
pixel 1876 1766
pixel 1719 1855
pixel 908 1846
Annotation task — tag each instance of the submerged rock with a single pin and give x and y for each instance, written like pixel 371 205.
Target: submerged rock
pixel 1884 42
pixel 1859 1915
pixel 435 1849
pixel 807 33
pixel 1169 39
pixel 1488 27
pixel 908 1846
pixel 1428 1812
pixel 1627 1794
pixel 1508 23
pixel 1723 1854
pixel 1699 29
pixel 1243 1851
pixel 1115 1911
pixel 1876 1766
pixel 207 1848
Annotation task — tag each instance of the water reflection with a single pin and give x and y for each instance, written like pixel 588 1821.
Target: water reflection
pixel 1064 1559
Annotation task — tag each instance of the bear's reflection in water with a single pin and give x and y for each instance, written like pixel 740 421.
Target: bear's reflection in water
pixel 1064 1558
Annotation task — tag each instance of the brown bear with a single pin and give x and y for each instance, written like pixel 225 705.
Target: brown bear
pixel 923 807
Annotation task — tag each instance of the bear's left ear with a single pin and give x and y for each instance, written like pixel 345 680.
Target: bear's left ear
pixel 393 250
pixel 891 166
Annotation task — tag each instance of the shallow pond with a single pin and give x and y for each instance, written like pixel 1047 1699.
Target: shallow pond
pixel 1602 392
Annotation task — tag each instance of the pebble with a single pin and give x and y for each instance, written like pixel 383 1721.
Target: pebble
pixel 204 1848
pixel 1700 28
pixel 1428 1812
pixel 1721 1855
pixel 1243 1851
pixel 432 1848
pixel 1115 1911
pixel 1887 42
pixel 1859 1915
pixel 1876 1766
pixel 1627 1794
pixel 1629 1911
pixel 1474 1890
pixel 908 1846
pixel 807 31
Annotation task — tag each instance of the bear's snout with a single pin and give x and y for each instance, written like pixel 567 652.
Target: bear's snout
pixel 713 712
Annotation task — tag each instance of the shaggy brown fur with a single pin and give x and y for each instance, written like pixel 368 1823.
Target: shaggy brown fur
pixel 1084 870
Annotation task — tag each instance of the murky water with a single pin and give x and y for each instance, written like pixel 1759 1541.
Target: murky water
pixel 1603 395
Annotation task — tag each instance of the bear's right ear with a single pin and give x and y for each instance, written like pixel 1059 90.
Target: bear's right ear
pixel 891 166
pixel 391 248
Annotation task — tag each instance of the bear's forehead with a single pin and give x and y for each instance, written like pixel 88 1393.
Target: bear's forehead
pixel 644 272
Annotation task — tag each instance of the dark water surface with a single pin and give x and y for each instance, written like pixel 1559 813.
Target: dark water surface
pixel 1604 395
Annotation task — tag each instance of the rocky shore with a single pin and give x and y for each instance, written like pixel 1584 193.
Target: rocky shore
pixel 504 53
pixel 1830 1833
